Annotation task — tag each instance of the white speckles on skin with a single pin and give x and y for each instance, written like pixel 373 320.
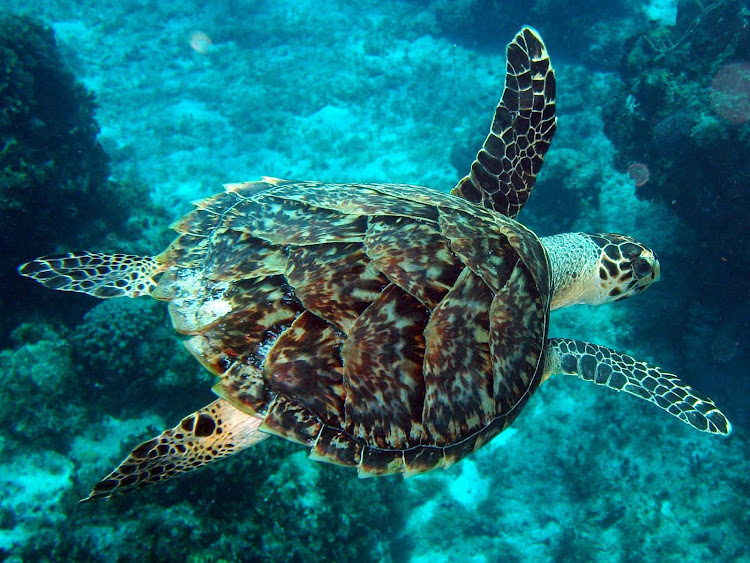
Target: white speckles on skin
pixel 211 305
pixel 267 344
pixel 216 308
pixel 573 253
pixel 198 302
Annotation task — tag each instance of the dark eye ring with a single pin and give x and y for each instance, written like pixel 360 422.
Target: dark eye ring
pixel 630 250
pixel 642 268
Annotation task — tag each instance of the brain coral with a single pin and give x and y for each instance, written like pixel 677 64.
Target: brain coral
pixel 127 346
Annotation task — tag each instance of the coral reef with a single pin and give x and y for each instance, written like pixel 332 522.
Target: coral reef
pixel 54 188
pixel 273 502
pixel 594 31
pixel 127 352
pixel 668 116
pixel 678 113
pixel 381 92
pixel 38 376
pixel 590 483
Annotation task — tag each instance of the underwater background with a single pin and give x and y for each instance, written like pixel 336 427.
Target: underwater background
pixel 114 115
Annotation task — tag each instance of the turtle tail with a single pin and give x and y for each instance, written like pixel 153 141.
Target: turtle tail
pixel 617 371
pixel 100 275
pixel 217 430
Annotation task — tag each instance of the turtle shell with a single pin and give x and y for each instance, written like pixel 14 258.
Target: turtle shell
pixel 388 327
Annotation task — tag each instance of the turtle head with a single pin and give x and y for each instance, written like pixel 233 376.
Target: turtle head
pixel 598 268
pixel 626 266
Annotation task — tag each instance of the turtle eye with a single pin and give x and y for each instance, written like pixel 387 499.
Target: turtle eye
pixel 642 268
pixel 630 250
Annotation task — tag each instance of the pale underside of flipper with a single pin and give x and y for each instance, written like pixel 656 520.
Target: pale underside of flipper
pixel 506 167
pixel 216 431
pixel 620 372
pixel 96 274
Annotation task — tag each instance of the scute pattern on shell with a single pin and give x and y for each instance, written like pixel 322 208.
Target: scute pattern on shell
pixel 457 362
pixel 388 327
pixel 340 299
pixel 315 345
pixel 382 360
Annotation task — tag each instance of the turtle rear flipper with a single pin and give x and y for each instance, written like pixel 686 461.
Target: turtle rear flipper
pixel 216 431
pixel 100 275
pixel 620 372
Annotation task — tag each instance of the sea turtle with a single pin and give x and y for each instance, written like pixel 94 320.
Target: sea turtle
pixel 387 327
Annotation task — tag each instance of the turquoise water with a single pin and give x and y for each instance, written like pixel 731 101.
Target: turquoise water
pixel 190 96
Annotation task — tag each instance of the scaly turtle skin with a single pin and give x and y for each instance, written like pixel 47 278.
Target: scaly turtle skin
pixel 386 327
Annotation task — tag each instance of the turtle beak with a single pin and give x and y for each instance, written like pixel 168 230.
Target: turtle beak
pixel 649 256
pixel 646 270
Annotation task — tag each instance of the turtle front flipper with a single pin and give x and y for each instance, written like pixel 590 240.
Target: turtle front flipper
pixel 617 371
pixel 505 169
pixel 217 430
pixel 100 275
